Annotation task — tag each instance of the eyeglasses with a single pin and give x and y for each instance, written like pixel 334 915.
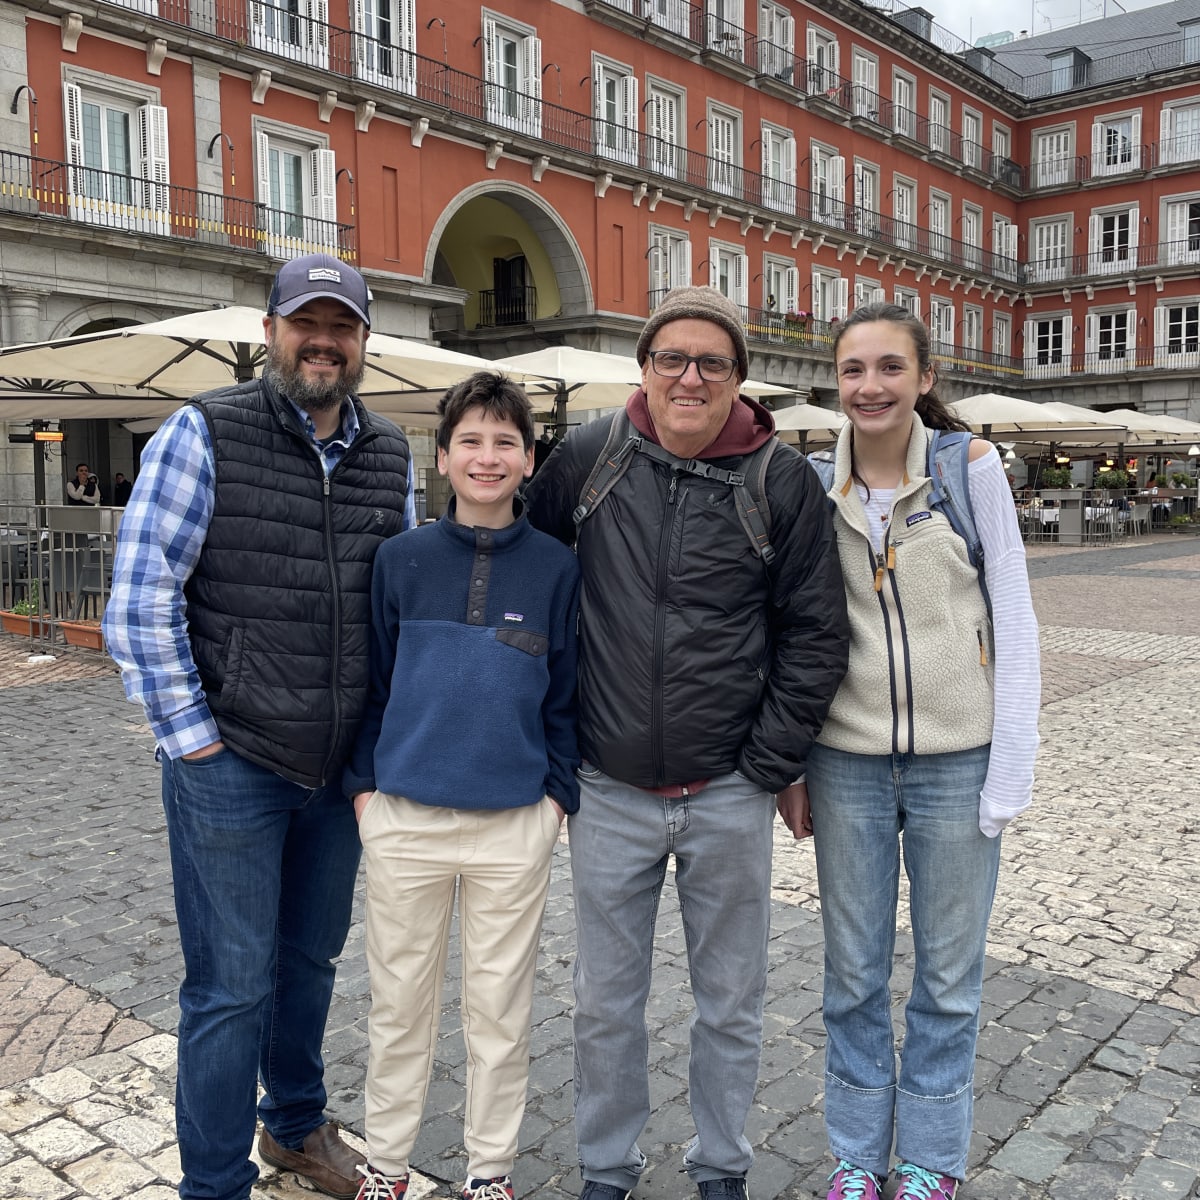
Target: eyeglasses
pixel 671 364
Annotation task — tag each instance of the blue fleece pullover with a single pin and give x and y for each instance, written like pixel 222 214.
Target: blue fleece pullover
pixel 473 657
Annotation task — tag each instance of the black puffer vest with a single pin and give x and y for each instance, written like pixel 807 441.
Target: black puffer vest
pixel 279 605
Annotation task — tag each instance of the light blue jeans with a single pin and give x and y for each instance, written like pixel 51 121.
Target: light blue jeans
pixel 864 809
pixel 621 839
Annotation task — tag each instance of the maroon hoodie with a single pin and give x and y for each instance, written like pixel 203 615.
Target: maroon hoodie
pixel 748 427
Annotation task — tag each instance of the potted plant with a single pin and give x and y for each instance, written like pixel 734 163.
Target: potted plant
pixel 1181 480
pixel 1113 478
pixel 1056 477
pixel 25 617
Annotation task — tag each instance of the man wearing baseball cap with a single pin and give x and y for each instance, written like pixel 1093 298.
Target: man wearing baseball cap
pixel 240 617
pixel 707 661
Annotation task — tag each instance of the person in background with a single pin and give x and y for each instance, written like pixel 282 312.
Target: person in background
pixel 122 488
pixel 84 488
pixel 240 618
pixel 926 755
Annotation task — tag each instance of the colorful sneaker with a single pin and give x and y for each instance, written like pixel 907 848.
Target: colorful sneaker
pixel 499 1188
pixel 854 1183
pixel 602 1191
pixel 733 1186
pixel 916 1183
pixel 378 1186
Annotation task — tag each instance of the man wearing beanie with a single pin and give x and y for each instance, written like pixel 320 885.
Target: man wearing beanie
pixel 240 617
pixel 707 663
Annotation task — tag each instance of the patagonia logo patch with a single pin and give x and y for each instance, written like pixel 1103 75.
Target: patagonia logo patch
pixel 324 275
pixel 917 518
pixel 514 617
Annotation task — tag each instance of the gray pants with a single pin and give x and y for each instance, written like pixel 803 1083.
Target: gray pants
pixel 620 841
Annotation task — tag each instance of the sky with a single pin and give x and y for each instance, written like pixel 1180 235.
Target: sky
pixel 971 19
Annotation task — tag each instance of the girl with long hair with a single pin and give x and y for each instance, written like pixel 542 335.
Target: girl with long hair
pixel 927 753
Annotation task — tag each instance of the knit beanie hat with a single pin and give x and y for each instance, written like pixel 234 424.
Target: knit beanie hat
pixel 704 304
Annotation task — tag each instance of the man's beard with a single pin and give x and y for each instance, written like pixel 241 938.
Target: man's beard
pixel 312 395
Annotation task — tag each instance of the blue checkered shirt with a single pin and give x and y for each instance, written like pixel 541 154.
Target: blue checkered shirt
pixel 161 536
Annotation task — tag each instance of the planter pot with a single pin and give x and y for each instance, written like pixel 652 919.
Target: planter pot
pixel 83 633
pixel 22 625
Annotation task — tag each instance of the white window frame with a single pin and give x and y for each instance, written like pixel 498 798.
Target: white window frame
pixel 1110 339
pixel 1004 246
pixel 822 60
pixel 866 198
pixel 777 43
pixel 1049 248
pixel 1053 156
pixel 830 295
pixel 778 168
pixel 1177 341
pixel 904 104
pixel 615 107
pixel 941 323
pixel 1181 226
pixel 904 212
pixel 724 138
pixel 1001 143
pixel 516 102
pixel 864 75
pixel 972 327
pixel 1062 71
pixel 302 34
pixel 1047 352
pixel 828 184
pixel 1108 252
pixel 1002 334
pixel 1191 42
pixel 868 291
pixel 908 299
pixel 1115 152
pixel 670 260
pixel 317 219
pixel 1174 146
pixel 385 44
pixel 664 126
pixel 972 138
pixel 781 282
pixel 729 271
pixel 939 224
pixel 939 122
pixel 98 195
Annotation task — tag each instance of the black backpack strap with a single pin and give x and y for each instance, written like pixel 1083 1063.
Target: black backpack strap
pixel 754 510
pixel 611 463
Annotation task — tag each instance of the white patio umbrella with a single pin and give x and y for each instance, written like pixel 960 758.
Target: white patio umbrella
pixel 578 380
pixel 802 424
pixel 993 414
pixel 195 352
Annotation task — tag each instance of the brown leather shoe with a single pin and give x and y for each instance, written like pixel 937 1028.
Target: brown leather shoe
pixel 323 1159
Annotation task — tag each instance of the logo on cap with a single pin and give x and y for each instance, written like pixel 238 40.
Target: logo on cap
pixel 323 274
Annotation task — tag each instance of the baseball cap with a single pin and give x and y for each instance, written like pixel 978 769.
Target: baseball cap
pixel 314 275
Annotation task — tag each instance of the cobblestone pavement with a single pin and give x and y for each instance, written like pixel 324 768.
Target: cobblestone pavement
pixel 1088 1080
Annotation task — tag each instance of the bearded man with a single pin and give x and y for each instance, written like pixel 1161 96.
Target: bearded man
pixel 240 618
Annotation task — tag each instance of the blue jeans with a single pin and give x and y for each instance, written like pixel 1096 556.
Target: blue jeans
pixel 864 808
pixel 264 880
pixel 621 839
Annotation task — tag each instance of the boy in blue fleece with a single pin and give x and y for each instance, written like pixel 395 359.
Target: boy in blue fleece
pixel 462 774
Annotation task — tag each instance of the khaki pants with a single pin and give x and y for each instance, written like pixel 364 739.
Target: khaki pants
pixel 501 860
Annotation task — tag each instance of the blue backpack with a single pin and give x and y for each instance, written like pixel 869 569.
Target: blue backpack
pixel 946 466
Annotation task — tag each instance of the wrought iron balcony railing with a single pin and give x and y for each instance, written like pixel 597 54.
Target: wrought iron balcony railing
pixel 507 306
pixel 130 204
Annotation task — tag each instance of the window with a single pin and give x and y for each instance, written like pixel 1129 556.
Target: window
pixel 941 323
pixel 1053 155
pixel 727 271
pixel 865 77
pixel 296 29
pixel 868 291
pixel 909 299
pixel 118 153
pixel 1001 142
pixel 822 51
pixel 904 105
pixel 1067 71
pixel 1050 250
pixel 1183 231
pixel 1191 42
pixel 972 138
pixel 670 258
pixel 724 27
pixel 828 185
pixel 778 168
pixel 939 122
pixel 664 110
pixel 512 70
pixel 1109 339
pixel 385 43
pixel 831 295
pixel 615 101
pixel 1002 335
pixel 672 15
pixel 1116 144
pixel 972 236
pixel 777 43
pixel 1112 241
pixel 296 187
pixel 1047 348
pixel 1177 335
pixel 904 204
pixel 866 199
pixel 1179 133
pixel 724 144
pixel 939 225
pixel 1004 247
pixel 781 285
pixel 972 327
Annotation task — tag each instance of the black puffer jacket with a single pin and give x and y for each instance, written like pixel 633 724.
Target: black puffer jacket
pixel 279 605
pixel 695 659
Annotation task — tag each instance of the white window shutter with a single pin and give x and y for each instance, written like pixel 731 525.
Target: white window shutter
pixel 258 17
pixel 531 85
pixel 1030 328
pixel 264 168
pixel 1133 233
pixel 686 258
pixel 785 31
pixel 818 305
pixel 1091 334
pixel 1010 241
pixel 1177 232
pixel 322 167
pixel 843 298
pixel 598 94
pixel 629 94
pixel 765 139
pixel 789 161
pixel 318 27
pixel 714 277
pixel 813 80
pixel 1135 161
pixel 1098 130
pixel 1166 136
pixel 491 67
pixel 406 19
pixel 1094 233
pixel 815 166
pixel 364 51
pixel 791 289
pixel 1130 330
pixel 1160 327
pixel 73 112
pixel 837 177
pixel 740 278
pixel 154 160
pixel 878 295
